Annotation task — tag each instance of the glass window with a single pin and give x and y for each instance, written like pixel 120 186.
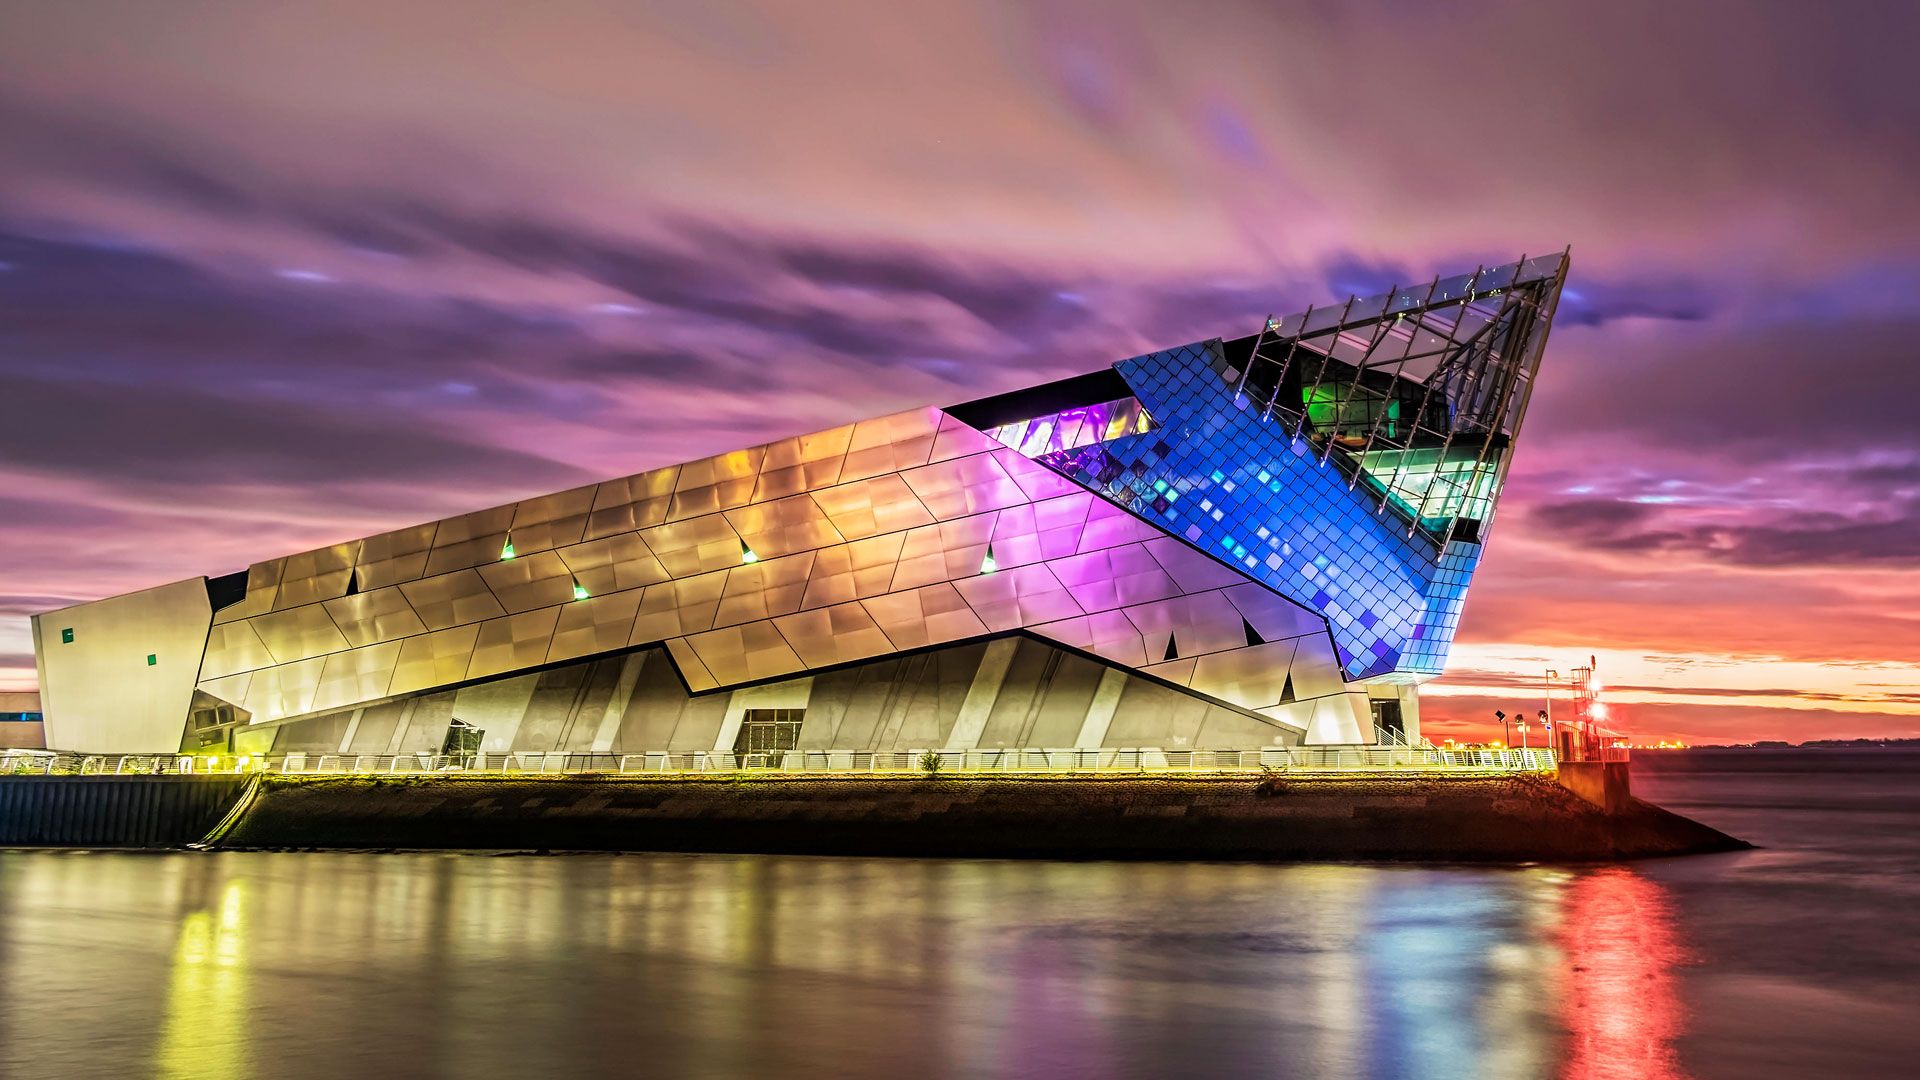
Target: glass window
pixel 769 731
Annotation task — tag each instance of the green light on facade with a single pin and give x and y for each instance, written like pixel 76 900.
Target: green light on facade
pixel 747 554
pixel 506 549
pixel 153 659
pixel 580 591
pixel 66 636
pixel 987 564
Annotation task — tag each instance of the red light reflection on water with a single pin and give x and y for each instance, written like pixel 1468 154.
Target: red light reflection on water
pixel 1620 1006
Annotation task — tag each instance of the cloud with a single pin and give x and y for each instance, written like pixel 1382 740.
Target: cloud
pixel 1767 539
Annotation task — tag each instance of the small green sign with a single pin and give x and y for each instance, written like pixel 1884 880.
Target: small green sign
pixel 152 659
pixel 66 636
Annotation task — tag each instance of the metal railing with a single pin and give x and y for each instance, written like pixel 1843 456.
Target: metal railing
pixel 1023 761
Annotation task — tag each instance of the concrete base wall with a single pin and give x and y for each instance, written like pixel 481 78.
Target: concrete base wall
pixel 1488 818
pixel 1605 784
pixel 113 811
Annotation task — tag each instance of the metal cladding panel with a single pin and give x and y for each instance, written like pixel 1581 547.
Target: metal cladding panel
pixel 231 648
pixel 880 504
pixel 853 571
pixel 297 633
pixel 925 616
pixel 613 563
pixel 961 540
pixel 369 617
pixel 631 502
pixel 595 625
pixel 454 599
pixel 433 659
pixel 512 643
pixel 678 608
pixel 315 575
pixel 716 483
pixel 263 582
pixel 739 654
pixel 356 675
pixel 469 540
pixel 834 635
pixel 1256 676
pixel 803 463
pixel 888 444
pixel 762 589
pixel 551 521
pixel 396 556
pixel 284 689
pixel 526 582
pixel 696 546
pixel 783 526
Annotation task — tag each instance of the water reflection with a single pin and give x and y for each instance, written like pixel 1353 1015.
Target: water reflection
pixel 207 990
pixel 1620 1003
pixel 470 966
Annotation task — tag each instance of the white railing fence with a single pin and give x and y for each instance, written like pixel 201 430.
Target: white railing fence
pixel 1023 761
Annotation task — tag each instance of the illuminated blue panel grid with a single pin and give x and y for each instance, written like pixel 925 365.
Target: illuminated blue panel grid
pixel 1237 487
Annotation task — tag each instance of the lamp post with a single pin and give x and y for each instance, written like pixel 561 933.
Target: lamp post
pixel 1505 732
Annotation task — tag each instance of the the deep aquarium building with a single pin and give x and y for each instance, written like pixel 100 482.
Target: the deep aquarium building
pixel 1238 543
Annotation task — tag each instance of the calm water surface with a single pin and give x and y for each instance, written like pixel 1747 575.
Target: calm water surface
pixel 1799 960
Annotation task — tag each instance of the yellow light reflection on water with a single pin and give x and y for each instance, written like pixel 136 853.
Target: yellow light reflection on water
pixel 202 1035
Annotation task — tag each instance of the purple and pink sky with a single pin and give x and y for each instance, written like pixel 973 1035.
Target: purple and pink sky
pixel 272 278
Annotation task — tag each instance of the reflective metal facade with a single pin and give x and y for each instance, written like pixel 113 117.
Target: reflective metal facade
pixel 1262 523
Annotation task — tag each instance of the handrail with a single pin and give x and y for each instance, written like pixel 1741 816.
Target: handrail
pixel 1396 758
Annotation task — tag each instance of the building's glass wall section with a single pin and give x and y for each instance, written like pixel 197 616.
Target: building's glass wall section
pixel 1069 429
pixel 1417 393
pixel 1348 457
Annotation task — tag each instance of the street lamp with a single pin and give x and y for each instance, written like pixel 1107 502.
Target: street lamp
pixel 1506 734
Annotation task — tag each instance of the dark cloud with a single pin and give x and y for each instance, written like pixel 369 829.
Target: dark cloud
pixel 1782 539
pixel 1591 302
pixel 187 440
pixel 1742 391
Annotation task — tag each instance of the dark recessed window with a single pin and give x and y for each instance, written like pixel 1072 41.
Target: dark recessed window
pixel 769 731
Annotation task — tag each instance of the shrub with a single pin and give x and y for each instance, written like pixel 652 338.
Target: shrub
pixel 931 763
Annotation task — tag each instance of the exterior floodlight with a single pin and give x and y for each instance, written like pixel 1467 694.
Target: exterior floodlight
pixel 747 554
pixel 987 565
pixel 580 591
pixel 506 549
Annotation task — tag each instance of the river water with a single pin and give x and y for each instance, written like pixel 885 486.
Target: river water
pixel 1801 959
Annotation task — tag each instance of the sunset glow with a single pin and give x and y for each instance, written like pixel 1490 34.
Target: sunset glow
pixel 412 271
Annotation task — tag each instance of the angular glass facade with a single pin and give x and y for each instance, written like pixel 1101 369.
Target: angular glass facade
pixel 1278 528
pixel 1348 457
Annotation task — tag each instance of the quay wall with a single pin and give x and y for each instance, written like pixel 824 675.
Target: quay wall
pixel 1486 818
pixel 1511 818
pixel 113 811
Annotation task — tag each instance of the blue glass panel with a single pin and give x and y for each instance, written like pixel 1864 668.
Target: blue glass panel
pixel 1236 486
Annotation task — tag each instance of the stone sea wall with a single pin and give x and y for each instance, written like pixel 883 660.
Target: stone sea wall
pixel 1465 819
